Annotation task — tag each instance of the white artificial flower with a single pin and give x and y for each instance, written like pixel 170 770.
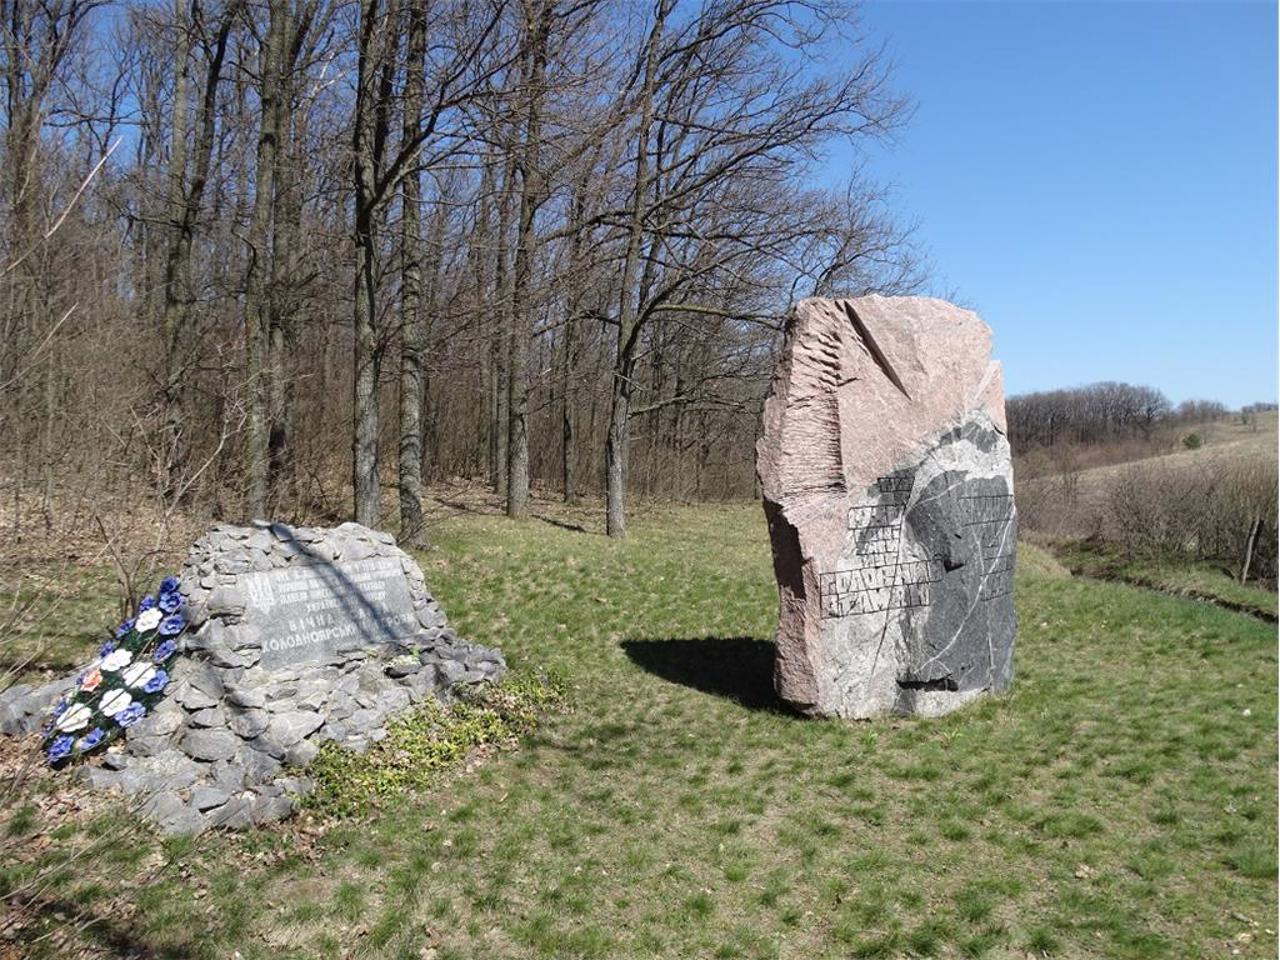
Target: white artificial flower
pixel 114 702
pixel 116 660
pixel 138 674
pixel 148 620
pixel 74 718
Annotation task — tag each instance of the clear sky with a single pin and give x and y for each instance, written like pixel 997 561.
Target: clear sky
pixel 1098 180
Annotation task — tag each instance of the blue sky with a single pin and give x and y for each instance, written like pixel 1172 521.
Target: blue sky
pixel 1098 180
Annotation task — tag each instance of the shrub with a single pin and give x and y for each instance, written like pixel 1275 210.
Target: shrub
pixel 1203 511
pixel 1192 441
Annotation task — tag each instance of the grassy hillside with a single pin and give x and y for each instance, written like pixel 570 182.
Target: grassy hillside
pixel 1119 802
pixel 1224 443
pixel 1258 435
pixel 1180 522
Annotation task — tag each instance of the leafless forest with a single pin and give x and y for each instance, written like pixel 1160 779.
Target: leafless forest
pixel 302 257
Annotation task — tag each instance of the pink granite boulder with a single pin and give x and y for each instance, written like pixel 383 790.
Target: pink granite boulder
pixel 888 490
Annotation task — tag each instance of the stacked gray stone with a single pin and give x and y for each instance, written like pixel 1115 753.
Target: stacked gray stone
pixel 298 636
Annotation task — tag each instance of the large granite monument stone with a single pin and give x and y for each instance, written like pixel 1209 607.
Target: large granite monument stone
pixel 888 491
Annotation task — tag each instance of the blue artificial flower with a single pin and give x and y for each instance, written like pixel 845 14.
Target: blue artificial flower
pixel 146 603
pixel 90 740
pixel 170 602
pixel 61 707
pixel 124 628
pixel 172 625
pixel 130 714
pixel 157 682
pixel 60 748
pixel 169 584
pixel 109 647
pixel 164 651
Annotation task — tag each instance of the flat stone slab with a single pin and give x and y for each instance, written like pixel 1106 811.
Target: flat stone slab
pixel 310 612
pixel 888 490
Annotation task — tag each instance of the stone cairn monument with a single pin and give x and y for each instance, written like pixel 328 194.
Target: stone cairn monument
pixel 889 495
pixel 297 636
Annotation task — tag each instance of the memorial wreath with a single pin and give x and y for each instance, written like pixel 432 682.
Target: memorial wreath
pixel 123 684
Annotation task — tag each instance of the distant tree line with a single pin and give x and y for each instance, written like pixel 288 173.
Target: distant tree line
pixel 1098 413
pixel 304 256
pixel 1249 409
pixel 1199 411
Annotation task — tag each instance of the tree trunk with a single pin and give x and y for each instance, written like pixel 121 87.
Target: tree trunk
pixel 615 451
pixel 481 244
pixel 173 312
pixel 367 360
pixel 569 395
pixel 367 368
pixel 1250 542
pixel 537 27
pixel 285 267
pixel 502 345
pixel 615 458
pixel 412 325
pixel 257 302
pixel 569 384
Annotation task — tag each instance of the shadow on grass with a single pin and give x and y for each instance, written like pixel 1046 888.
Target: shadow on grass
pixel 113 938
pixel 562 524
pixel 462 507
pixel 495 511
pixel 739 668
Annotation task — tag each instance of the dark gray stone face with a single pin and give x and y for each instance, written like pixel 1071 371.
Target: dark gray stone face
pixel 918 610
pixel 313 612
pixel 962 638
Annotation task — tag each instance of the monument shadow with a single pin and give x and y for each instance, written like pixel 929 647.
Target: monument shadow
pixel 110 935
pixel 737 668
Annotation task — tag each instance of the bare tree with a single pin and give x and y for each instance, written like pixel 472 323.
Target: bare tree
pixel 466 56
pixel 558 265
pixel 413 324
pixel 724 116
pixel 257 307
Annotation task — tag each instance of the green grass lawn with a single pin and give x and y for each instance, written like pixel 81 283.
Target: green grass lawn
pixel 1119 802
pixel 50 615
pixel 1201 581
